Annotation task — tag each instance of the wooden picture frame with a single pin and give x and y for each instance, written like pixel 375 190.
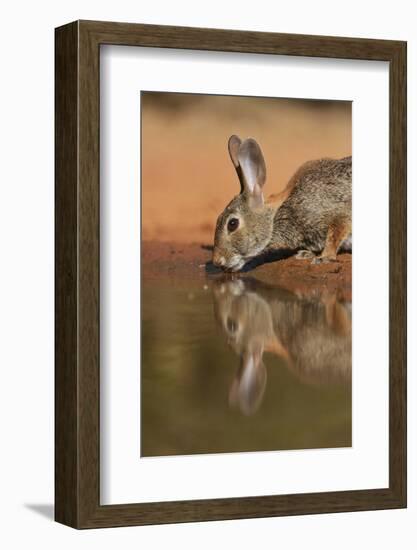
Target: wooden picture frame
pixel 77 373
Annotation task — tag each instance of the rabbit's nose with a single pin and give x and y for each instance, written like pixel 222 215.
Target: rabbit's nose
pixel 218 260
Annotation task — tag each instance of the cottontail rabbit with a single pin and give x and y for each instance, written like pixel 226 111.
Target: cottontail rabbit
pixel 312 216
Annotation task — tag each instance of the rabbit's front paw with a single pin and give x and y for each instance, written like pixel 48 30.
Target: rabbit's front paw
pixel 304 255
pixel 323 260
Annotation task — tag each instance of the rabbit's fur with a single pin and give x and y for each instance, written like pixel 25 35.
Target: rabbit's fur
pixel 312 216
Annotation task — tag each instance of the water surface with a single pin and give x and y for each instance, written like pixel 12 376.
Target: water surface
pixel 234 365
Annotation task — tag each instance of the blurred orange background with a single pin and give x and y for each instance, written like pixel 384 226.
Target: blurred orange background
pixel 187 175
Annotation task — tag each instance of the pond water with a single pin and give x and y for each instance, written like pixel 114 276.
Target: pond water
pixel 233 364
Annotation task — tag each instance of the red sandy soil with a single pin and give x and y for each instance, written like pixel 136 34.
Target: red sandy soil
pixel 187 263
pixel 187 176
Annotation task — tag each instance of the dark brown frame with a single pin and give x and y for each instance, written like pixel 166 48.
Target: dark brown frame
pixel 77 274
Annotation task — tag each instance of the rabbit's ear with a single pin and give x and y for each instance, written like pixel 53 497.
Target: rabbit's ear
pixel 234 143
pixel 253 169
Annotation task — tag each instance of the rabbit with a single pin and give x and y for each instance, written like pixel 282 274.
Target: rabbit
pixel 312 336
pixel 311 217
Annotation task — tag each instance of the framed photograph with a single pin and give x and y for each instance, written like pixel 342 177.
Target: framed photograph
pixel 230 274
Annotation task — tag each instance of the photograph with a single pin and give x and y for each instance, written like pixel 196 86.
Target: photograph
pixel 209 263
pixel 246 274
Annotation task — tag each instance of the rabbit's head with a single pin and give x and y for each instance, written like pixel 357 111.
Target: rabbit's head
pixel 246 322
pixel 244 228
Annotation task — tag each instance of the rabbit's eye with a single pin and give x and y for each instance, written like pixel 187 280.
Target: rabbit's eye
pixel 232 224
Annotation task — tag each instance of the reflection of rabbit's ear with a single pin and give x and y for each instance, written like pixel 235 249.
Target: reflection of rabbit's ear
pixel 248 387
pixel 253 169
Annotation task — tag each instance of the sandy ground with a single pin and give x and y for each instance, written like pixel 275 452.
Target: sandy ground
pixel 187 176
pixel 188 263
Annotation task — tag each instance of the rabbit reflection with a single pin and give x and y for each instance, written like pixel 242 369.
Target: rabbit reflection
pixel 312 336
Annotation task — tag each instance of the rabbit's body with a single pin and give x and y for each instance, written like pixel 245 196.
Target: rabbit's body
pixel 311 216
pixel 320 197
